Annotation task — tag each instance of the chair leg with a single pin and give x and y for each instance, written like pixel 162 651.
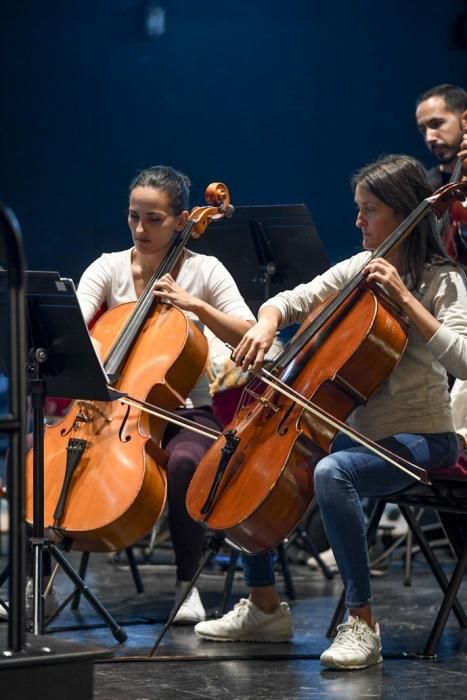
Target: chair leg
pixel 134 570
pixel 229 580
pixel 433 562
pixel 447 605
pixel 408 558
pixel 301 536
pixel 289 584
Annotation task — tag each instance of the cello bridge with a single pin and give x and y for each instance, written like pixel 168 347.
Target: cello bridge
pixel 262 400
pixel 89 411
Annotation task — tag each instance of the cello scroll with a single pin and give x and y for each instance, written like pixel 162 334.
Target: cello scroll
pixel 218 196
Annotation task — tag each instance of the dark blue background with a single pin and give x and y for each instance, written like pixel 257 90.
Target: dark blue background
pixel 280 100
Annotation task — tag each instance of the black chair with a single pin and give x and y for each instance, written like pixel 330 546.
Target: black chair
pixel 447 496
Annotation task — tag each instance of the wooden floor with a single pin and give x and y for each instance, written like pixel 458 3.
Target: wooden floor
pixel 185 667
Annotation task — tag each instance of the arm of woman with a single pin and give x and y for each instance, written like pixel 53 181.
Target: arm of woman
pixel 228 317
pixel 292 306
pixel 225 326
pixel 445 330
pixel 251 351
pixel 92 288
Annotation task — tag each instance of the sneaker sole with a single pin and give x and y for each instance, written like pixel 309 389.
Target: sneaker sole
pixel 256 639
pixel 356 667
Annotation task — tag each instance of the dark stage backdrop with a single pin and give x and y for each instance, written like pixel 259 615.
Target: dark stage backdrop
pixel 280 100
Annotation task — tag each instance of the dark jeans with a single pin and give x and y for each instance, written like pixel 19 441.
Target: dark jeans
pixel 342 478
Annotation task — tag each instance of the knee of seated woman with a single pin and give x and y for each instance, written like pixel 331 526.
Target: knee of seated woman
pixel 181 463
pixel 326 472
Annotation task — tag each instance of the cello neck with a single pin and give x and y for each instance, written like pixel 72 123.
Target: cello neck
pixel 129 333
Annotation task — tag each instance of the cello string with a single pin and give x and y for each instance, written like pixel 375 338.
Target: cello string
pixel 335 423
pixel 275 382
pixel 167 415
pixel 138 316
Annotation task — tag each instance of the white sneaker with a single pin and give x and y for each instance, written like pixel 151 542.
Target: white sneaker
pixel 51 603
pixel 355 646
pixel 192 610
pixel 327 557
pixel 247 623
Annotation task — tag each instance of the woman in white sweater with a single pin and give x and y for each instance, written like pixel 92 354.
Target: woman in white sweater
pixel 205 290
pixel 410 413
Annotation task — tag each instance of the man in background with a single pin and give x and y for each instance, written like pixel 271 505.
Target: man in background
pixel 441 116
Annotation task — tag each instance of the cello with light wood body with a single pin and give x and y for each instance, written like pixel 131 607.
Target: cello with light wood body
pixel 104 481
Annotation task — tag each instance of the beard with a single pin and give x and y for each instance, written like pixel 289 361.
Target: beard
pixel 447 158
pixel 447 155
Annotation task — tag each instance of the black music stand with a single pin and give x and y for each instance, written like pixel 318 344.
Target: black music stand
pixel 63 364
pixel 266 248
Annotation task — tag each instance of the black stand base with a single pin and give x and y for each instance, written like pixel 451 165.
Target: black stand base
pixel 80 586
pixel 66 671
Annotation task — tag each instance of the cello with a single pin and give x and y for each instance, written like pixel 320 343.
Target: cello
pixel 104 481
pixel 255 483
pixel 453 228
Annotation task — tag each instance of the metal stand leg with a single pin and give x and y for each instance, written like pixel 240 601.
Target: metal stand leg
pixel 229 580
pixel 289 584
pixel 134 570
pixel 214 544
pixel 117 631
pixel 83 568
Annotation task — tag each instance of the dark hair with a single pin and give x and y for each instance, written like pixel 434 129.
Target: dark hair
pixel 401 182
pixel 455 97
pixel 165 178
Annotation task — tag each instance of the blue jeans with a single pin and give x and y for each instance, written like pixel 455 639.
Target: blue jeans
pixel 342 478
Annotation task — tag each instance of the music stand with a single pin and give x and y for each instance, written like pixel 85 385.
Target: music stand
pixel 276 247
pixel 63 364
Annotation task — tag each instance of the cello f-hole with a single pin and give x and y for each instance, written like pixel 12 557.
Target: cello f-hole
pixel 125 438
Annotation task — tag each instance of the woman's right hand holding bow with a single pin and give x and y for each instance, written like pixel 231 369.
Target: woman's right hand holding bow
pixel 251 350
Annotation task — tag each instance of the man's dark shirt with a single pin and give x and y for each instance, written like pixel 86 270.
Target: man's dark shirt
pixel 454 240
pixel 437 178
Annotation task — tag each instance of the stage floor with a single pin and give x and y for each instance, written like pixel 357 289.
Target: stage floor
pixel 185 666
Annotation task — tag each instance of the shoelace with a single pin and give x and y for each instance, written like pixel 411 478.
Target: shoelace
pixel 238 608
pixel 349 633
